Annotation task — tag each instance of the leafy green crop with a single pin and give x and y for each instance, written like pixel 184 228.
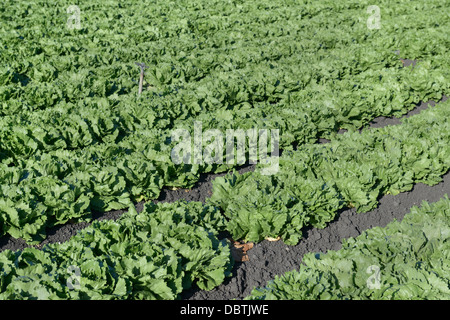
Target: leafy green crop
pixel 315 181
pixel 69 109
pixel 154 254
pixel 404 260
pixel 76 138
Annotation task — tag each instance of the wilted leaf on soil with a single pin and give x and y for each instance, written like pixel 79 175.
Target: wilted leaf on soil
pixel 239 250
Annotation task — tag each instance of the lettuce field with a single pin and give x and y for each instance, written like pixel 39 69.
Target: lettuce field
pixel 203 150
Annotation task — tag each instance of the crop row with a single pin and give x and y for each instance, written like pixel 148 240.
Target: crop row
pixel 151 255
pixel 74 137
pixel 317 180
pixel 402 261
pixel 166 248
pixel 67 149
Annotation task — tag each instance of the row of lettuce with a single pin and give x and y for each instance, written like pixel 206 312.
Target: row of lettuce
pixel 166 248
pixel 75 138
pixel 317 180
pixel 151 255
pixel 312 184
pixel 220 55
pixel 402 261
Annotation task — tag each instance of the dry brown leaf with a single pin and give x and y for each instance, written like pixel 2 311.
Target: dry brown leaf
pixel 239 250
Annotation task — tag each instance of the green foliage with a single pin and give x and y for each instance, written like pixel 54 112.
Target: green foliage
pixel 75 137
pixel 353 170
pixel 404 260
pixel 154 254
pixel 69 108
